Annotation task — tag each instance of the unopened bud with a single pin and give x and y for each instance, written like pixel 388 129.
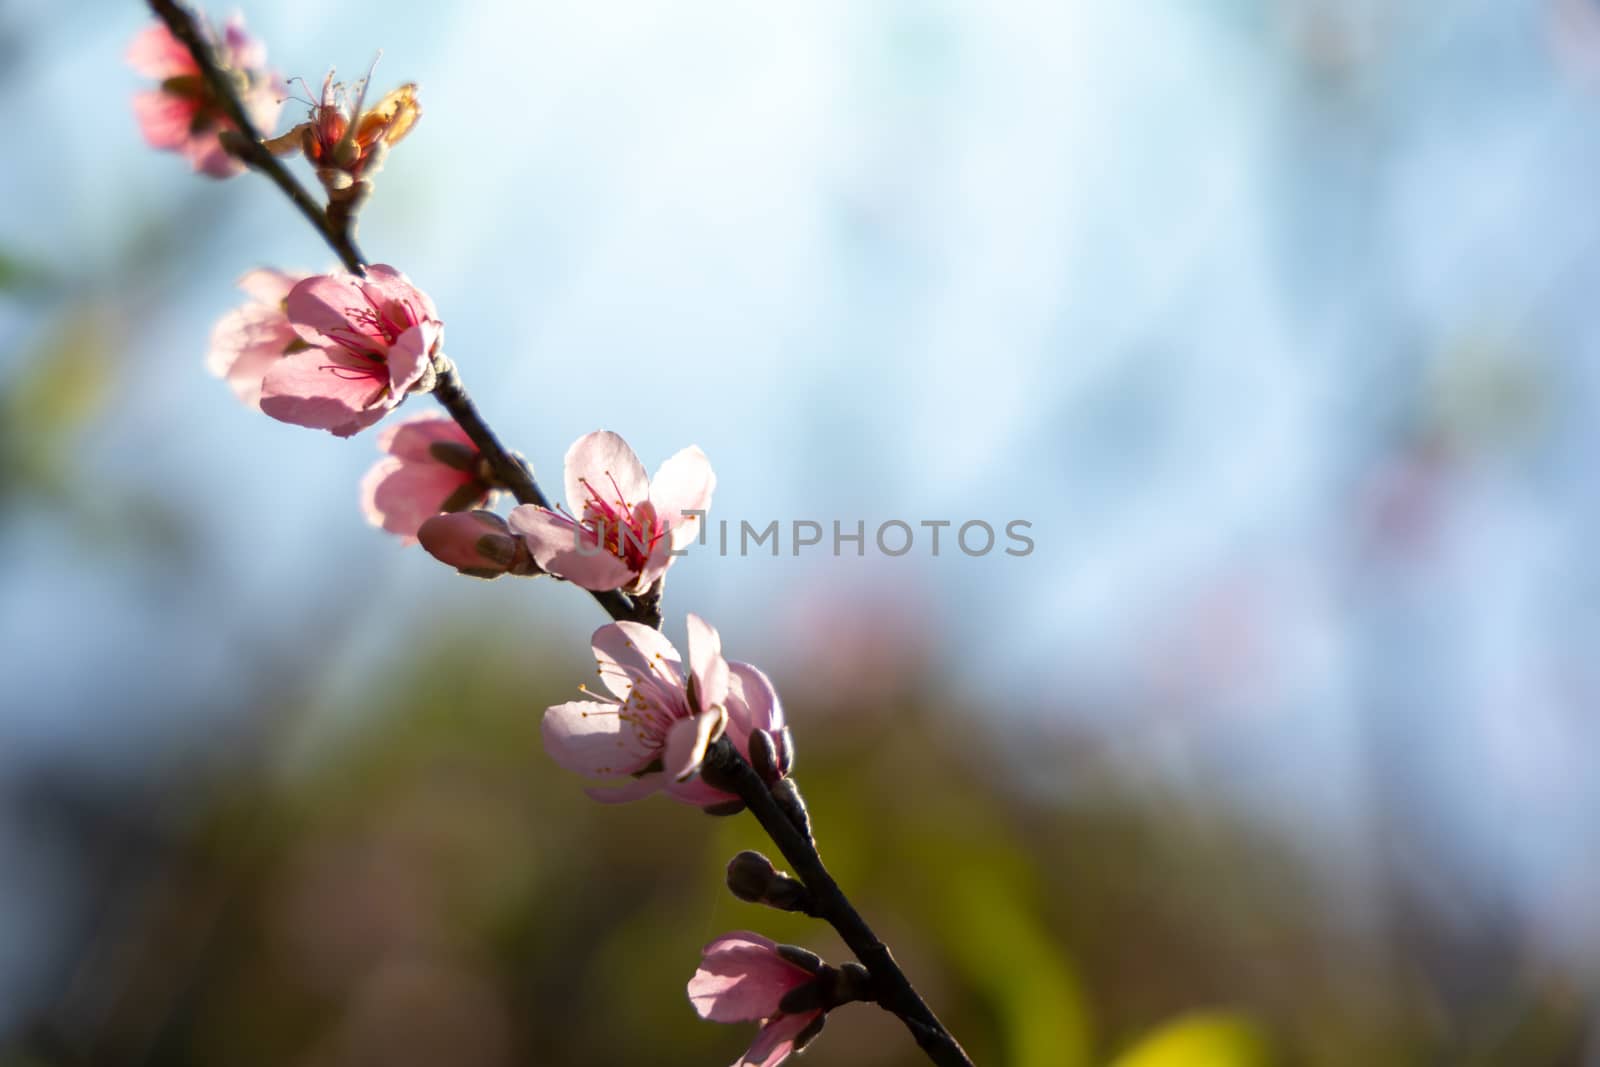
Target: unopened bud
pixel 752 878
pixel 477 543
pixel 725 807
pixel 764 756
pixel 787 794
pixel 785 744
pixel 749 874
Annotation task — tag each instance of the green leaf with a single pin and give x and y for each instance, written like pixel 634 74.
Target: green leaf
pixel 1208 1040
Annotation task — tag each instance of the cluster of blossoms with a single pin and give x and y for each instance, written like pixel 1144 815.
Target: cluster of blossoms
pixel 338 351
pixel 333 352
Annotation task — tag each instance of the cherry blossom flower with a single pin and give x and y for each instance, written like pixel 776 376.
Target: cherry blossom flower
pixel 431 466
pixel 655 722
pixel 345 141
pixel 248 340
pixel 622 527
pixel 371 341
pixel 745 977
pixel 184 115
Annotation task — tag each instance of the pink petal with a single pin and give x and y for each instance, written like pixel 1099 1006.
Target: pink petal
pixel 752 704
pixel 164 119
pixel 660 557
pixel 155 53
pixel 609 466
pixel 207 156
pixel 775 1041
pixel 400 496
pixel 600 572
pixel 244 51
pixel 591 738
pixel 245 344
pixel 687 740
pixel 706 665
pixel 320 307
pixel 409 357
pixel 264 104
pixel 684 482
pixel 553 541
pixel 741 977
pixel 625 649
pixel 696 792
pixel 412 438
pixel 268 286
pixel 637 789
pixel 384 283
pixel 326 389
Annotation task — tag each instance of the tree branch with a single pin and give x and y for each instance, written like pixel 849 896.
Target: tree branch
pixel 725 768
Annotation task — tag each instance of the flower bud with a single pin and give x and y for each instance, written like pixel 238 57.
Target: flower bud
pixel 749 874
pixel 476 543
pixel 752 878
pixel 787 794
pixel 764 756
pixel 785 752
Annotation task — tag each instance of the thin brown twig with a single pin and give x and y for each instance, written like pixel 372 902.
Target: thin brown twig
pixel 726 768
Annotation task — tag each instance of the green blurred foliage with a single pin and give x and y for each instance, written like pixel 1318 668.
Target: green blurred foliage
pixel 47 401
pixel 425 887
pixel 1201 1041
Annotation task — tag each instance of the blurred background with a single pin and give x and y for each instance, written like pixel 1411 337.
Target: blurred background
pixel 1273 318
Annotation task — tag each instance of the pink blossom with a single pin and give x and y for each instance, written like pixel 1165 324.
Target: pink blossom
pixel 743 977
pixel 622 527
pixel 476 543
pixel 248 340
pixel 371 341
pixel 183 115
pixel 655 722
pixel 431 466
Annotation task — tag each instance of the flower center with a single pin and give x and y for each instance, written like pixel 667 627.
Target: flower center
pixel 373 329
pixel 620 529
pixel 655 698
